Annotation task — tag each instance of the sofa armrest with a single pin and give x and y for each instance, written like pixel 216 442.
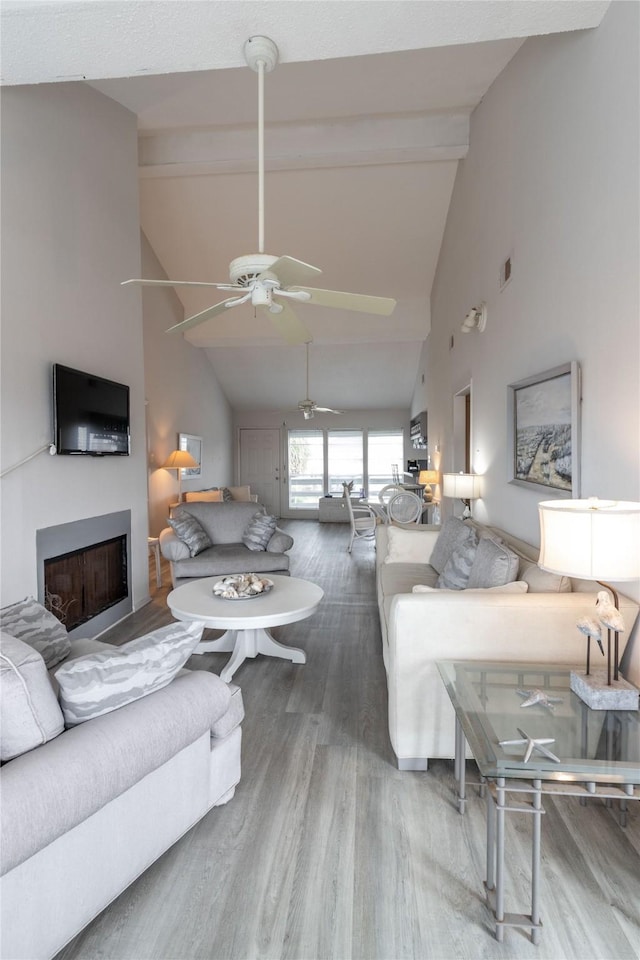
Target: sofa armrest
pixel 280 542
pixel 172 547
pixel 48 791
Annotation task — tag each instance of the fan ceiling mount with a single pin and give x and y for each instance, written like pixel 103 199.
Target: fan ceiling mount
pixel 271 282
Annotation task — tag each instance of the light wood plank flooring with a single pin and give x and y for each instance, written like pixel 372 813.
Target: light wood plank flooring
pixel 327 851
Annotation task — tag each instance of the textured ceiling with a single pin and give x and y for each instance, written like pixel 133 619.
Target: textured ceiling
pixel 367 116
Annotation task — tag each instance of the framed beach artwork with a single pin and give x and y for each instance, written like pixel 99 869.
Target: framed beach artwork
pixel 544 431
pixel 187 441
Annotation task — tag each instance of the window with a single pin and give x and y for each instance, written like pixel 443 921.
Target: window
pixel 345 461
pixel 306 469
pixel 384 448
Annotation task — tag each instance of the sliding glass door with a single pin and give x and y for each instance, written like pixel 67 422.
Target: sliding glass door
pixel 321 460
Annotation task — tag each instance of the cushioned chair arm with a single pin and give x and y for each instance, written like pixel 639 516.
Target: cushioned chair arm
pixel 48 791
pixel 171 547
pixel 280 542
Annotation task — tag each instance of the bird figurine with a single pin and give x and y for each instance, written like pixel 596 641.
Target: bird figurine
pixel 590 628
pixel 608 615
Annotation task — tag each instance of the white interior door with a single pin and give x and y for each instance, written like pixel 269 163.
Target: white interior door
pixel 261 466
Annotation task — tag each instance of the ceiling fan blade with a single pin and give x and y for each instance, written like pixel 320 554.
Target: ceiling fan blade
pixel 289 326
pixel 180 283
pixel 288 270
pixel 201 317
pixel 327 410
pixel 349 301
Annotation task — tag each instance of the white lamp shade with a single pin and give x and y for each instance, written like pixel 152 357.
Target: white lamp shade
pixel 179 460
pixel 465 486
pixel 590 539
pixel 428 476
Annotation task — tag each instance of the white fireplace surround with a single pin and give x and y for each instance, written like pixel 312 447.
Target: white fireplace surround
pixel 67 537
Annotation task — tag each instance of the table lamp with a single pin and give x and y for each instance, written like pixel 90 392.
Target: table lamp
pixel 425 479
pixel 179 460
pixel 465 486
pixel 595 540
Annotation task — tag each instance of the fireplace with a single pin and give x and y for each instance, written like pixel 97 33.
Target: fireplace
pixel 84 572
pixel 80 585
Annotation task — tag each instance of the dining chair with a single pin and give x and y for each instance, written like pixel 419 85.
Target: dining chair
pixel 362 521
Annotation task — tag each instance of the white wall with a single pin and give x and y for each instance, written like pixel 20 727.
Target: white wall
pixel 183 396
pixel 551 178
pixel 70 233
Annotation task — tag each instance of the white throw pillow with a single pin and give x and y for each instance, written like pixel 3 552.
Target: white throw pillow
pixel 516 586
pixel 29 712
pixel 407 546
pixel 101 682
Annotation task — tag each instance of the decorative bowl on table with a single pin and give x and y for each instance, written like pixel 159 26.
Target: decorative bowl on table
pixel 242 586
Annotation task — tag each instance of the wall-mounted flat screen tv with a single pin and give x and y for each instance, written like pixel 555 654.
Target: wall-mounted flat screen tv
pixel 91 414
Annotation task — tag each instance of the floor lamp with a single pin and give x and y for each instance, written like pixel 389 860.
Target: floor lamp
pixel 179 460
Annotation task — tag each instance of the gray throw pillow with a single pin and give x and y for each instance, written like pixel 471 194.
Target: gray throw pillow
pixel 29 711
pixel 453 533
pixel 32 623
pixel 98 683
pixel 227 496
pixel 455 575
pixel 190 532
pixel 494 564
pixel 259 531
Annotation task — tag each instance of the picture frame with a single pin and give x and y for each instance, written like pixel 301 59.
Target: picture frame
pixel 187 441
pixel 544 431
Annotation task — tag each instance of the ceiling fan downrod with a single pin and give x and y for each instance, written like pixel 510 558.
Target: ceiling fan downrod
pixel 261 55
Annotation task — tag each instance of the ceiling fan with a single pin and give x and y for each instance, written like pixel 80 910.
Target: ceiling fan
pixel 309 407
pixel 265 281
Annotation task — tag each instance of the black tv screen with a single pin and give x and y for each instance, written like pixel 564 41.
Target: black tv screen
pixel 91 414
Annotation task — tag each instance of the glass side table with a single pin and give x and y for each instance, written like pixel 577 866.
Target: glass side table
pixel 572 751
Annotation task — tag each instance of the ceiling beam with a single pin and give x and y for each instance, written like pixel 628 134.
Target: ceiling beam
pixel 355 141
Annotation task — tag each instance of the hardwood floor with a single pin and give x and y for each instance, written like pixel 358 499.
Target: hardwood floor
pixel 327 851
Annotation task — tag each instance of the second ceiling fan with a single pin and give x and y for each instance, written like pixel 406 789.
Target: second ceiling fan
pixel 266 281
pixel 310 407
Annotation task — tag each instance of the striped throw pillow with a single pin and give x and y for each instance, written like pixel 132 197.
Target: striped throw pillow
pixel 259 531
pixel 32 623
pixel 187 529
pixel 98 683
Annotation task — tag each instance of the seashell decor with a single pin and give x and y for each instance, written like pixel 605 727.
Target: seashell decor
pixel 242 586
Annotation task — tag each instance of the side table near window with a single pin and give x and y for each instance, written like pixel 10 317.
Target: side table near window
pixel 574 751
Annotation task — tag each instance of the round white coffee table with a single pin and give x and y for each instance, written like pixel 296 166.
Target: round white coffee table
pixel 246 621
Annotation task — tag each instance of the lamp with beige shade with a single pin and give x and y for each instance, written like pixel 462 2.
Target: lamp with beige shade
pixel 179 460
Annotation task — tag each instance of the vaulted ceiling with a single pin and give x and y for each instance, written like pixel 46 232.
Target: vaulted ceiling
pixel 367 115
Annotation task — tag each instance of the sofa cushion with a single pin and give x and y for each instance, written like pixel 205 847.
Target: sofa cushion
pixel 32 623
pixel 242 494
pixel 226 558
pixel 402 577
pixel 541 581
pixel 516 586
pixel 101 682
pixel 223 522
pixel 259 531
pixel 29 712
pixel 406 546
pixel 453 533
pixel 191 532
pixel 455 575
pixel 494 564
pixel 203 496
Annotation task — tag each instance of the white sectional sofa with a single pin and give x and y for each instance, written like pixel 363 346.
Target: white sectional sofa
pixel 418 629
pixel 87 811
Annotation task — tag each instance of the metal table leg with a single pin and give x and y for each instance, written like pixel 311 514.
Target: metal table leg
pixel 460 766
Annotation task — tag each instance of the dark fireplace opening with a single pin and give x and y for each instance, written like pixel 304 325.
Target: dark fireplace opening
pixel 82 583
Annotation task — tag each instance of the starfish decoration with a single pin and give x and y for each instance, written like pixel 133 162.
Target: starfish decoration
pixel 538 696
pixel 533 743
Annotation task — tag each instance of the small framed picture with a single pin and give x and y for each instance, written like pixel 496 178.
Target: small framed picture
pixel 544 431
pixel 187 441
